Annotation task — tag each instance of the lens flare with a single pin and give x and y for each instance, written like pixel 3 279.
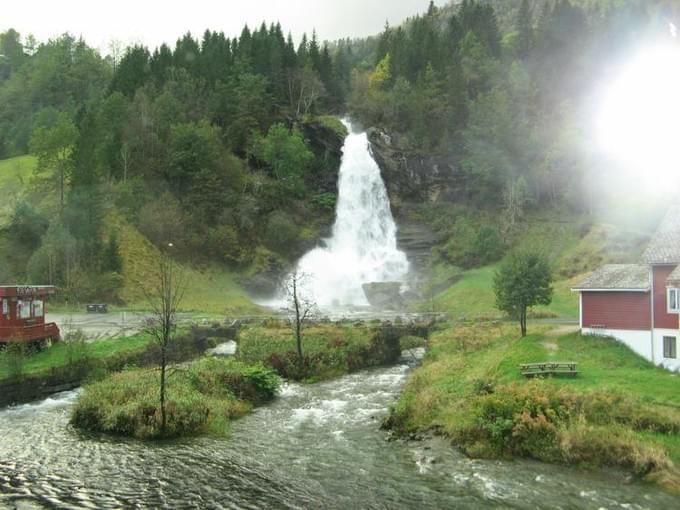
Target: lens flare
pixel 639 122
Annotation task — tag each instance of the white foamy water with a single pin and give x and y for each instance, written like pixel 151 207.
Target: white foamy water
pixel 363 246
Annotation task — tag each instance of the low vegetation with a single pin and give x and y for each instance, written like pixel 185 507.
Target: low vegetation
pixel 620 410
pixel 329 350
pixel 202 397
pixel 18 359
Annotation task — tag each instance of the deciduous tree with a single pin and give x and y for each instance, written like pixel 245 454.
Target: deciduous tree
pixel 164 292
pixel 522 281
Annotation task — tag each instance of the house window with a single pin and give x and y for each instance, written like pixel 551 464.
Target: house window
pixel 24 309
pixel 673 300
pixel 669 347
pixel 38 310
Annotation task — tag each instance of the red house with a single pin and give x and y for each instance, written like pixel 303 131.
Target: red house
pixel 22 316
pixel 639 304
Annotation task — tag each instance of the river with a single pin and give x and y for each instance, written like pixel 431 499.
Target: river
pixel 316 446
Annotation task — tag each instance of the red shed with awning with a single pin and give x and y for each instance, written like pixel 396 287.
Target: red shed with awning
pixel 22 313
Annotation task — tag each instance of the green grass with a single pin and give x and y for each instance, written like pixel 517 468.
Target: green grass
pixel 57 356
pixel 574 248
pixel 472 297
pixel 470 378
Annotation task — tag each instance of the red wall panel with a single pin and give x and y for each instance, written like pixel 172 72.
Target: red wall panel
pixel 617 310
pixel 661 318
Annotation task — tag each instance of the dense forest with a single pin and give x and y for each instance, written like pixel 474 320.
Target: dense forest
pixel 227 148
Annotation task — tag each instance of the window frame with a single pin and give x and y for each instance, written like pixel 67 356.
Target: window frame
pixel 670 347
pixel 676 293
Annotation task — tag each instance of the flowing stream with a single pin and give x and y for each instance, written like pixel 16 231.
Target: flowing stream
pixel 363 246
pixel 316 446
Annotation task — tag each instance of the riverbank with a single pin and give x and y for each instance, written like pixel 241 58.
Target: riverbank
pixel 204 396
pixel 620 410
pixel 315 446
pixel 27 376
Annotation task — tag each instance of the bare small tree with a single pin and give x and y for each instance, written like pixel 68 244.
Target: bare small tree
pixel 305 88
pixel 164 293
pixel 301 308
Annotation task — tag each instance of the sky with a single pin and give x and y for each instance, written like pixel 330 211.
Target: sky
pixel 152 22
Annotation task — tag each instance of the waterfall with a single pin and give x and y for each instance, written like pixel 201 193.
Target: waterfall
pixel 363 245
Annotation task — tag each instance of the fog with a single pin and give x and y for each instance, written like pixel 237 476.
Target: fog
pixel 153 22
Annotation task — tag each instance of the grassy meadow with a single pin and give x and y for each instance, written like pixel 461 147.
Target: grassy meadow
pixel 574 247
pixel 620 410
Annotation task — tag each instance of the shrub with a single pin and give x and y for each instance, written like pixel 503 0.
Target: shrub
pixel 411 342
pixel 471 246
pixel 329 349
pixel 15 358
pixel 325 201
pixel 76 349
pixel 282 233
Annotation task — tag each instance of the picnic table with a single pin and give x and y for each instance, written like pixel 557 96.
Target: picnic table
pixel 549 368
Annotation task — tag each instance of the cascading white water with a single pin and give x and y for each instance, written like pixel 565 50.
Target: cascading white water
pixel 363 247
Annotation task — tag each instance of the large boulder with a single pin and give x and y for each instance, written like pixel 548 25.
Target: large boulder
pixel 383 295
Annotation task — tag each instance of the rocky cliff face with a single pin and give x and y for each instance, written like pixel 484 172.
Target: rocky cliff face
pixel 413 179
pixel 326 143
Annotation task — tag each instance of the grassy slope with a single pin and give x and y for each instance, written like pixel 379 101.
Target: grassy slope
pixel 573 255
pixel 212 290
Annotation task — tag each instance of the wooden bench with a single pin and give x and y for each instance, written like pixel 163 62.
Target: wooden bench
pixel 549 368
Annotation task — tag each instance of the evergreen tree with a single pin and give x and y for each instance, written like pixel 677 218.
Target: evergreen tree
pixel 132 72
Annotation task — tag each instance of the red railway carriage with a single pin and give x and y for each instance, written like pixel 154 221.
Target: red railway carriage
pixel 22 314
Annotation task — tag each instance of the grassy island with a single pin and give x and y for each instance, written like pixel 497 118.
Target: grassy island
pixel 620 411
pixel 329 350
pixel 202 397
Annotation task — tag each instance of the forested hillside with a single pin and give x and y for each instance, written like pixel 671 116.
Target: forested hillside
pixel 228 148
pixel 216 146
pixel 492 106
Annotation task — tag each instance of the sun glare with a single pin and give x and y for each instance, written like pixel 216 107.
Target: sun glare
pixel 639 123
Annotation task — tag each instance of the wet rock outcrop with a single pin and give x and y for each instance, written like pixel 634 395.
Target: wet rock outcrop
pixel 412 177
pixel 383 295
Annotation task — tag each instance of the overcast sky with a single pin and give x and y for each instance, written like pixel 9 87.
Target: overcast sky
pixel 155 21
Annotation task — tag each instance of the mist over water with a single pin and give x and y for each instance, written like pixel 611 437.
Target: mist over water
pixel 363 245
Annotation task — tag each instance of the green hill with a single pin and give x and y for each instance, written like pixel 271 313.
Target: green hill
pixel 14 175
